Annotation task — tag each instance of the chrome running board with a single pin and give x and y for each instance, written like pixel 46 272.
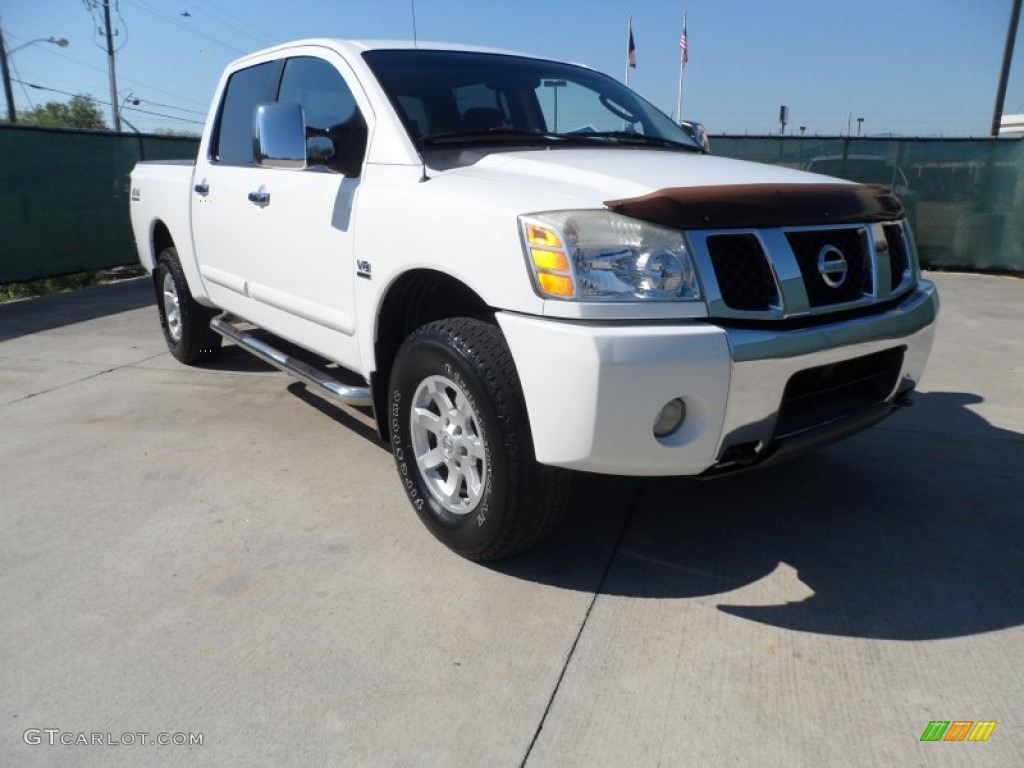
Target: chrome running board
pixel 307 374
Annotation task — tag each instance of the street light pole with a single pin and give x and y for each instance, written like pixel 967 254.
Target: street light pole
pixel 131 97
pixel 555 85
pixel 12 115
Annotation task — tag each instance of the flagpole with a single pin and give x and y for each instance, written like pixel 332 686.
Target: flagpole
pixel 682 65
pixel 679 105
pixel 629 35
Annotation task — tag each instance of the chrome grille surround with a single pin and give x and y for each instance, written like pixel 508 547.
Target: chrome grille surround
pixel 886 268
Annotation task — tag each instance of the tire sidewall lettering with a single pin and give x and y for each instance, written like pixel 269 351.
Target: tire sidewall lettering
pixel 405 380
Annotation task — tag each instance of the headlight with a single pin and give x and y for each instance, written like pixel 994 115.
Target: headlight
pixel 603 256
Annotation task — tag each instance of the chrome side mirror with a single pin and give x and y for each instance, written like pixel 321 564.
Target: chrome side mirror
pixel 279 136
pixel 697 132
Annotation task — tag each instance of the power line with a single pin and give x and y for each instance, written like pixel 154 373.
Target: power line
pixel 169 106
pixel 107 103
pixel 14 66
pixel 271 38
pixel 169 117
pixel 171 20
pixel 87 65
pixel 263 40
pixel 61 80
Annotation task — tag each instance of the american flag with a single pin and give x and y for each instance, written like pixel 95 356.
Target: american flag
pixel 684 48
pixel 631 49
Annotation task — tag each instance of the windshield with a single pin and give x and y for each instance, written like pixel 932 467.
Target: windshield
pixel 457 97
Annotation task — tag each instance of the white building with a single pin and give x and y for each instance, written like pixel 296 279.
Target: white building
pixel 1011 124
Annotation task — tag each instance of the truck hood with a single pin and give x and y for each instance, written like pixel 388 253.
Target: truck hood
pixel 592 176
pixel 672 188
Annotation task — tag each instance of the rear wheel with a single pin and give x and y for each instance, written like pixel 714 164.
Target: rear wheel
pixel 185 322
pixel 462 443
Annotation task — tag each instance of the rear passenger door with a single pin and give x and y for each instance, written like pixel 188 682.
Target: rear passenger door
pixel 224 176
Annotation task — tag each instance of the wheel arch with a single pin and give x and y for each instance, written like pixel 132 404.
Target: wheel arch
pixel 417 297
pixel 159 238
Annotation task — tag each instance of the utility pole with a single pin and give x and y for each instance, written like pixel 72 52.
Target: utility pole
pixel 110 67
pixel 1004 75
pixel 11 115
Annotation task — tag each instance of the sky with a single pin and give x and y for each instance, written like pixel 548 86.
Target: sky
pixel 907 67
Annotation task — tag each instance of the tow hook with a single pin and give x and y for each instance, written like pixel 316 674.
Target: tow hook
pixel 903 401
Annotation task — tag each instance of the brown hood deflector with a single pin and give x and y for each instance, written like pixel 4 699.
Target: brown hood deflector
pixel 762 205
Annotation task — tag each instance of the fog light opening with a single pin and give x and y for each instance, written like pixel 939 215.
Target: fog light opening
pixel 670 418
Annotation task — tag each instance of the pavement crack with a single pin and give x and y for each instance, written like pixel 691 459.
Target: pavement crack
pixel 78 381
pixel 583 624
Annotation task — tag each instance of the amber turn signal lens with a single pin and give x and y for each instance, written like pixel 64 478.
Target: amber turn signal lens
pixel 556 285
pixel 541 236
pixel 555 260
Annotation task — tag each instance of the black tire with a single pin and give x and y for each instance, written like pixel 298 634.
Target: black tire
pixel 518 501
pixel 186 331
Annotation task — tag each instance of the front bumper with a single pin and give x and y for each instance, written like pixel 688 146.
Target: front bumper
pixel 593 390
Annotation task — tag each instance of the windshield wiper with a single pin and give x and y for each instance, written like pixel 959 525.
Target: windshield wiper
pixel 489 135
pixel 500 134
pixel 628 137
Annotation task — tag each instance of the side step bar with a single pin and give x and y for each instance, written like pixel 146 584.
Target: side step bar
pixel 318 380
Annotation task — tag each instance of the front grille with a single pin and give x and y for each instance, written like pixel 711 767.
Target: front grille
pixel 823 394
pixel 807 246
pixel 744 276
pixel 898 262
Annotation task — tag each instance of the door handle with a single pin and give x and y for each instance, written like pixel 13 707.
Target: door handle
pixel 260 198
pixel 203 189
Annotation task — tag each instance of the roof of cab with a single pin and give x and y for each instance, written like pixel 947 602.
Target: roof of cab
pixel 361 46
pixel 358 47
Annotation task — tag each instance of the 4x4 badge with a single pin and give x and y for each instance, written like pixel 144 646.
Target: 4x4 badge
pixel 832 266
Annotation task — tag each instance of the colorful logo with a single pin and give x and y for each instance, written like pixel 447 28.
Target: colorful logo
pixel 958 730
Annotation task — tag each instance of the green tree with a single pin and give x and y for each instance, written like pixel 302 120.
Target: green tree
pixel 190 134
pixel 80 112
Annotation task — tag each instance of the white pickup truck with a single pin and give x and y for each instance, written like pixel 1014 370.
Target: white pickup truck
pixel 528 269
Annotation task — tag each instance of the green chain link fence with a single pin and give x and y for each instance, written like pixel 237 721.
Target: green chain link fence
pixel 965 197
pixel 64 193
pixel 64 198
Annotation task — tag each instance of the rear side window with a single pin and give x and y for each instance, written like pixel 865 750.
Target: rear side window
pixel 246 88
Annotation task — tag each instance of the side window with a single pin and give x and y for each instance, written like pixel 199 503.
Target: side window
pixel 245 89
pixel 335 131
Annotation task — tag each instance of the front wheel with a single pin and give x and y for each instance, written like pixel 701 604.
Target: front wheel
pixel 462 443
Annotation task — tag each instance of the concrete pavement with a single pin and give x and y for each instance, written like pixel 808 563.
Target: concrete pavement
pixel 214 551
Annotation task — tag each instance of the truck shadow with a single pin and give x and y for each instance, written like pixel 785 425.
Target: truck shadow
pixel 22 318
pixel 358 420
pixel 913 530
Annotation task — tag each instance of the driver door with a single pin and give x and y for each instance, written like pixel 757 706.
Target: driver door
pixel 302 268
